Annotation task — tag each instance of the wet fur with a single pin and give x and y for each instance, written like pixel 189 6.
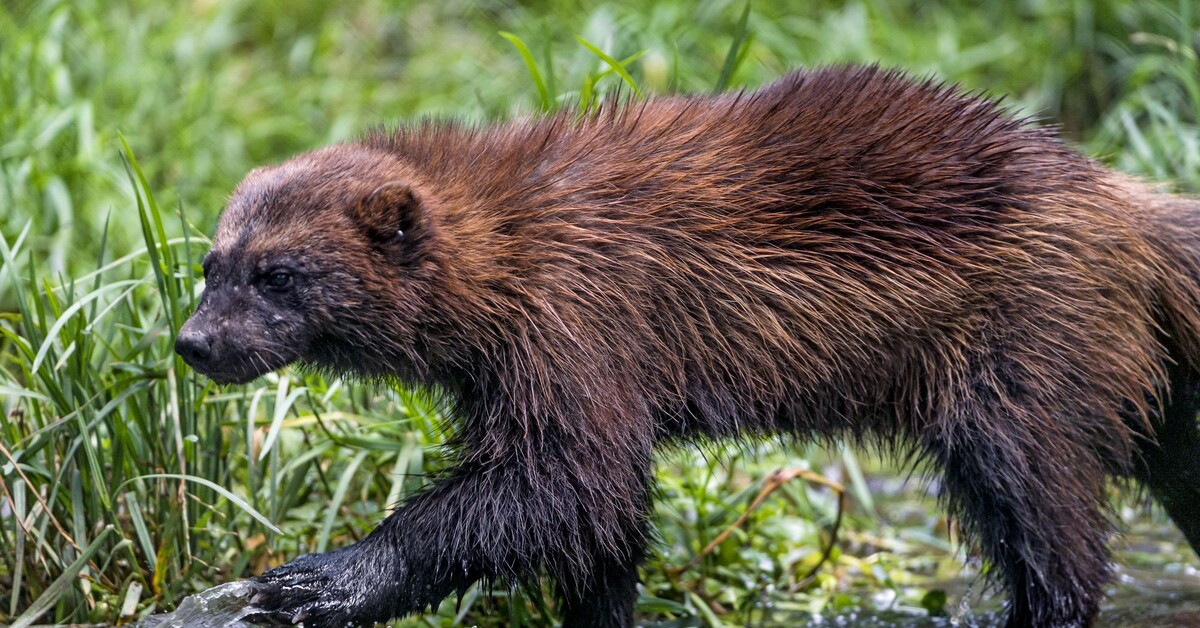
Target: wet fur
pixel 844 253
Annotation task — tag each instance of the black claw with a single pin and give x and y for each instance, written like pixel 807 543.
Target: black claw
pixel 269 618
pixel 258 598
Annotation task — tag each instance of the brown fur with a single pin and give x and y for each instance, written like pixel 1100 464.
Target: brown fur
pixel 845 253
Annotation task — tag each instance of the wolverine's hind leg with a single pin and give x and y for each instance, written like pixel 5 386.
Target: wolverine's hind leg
pixel 606 600
pixel 1169 462
pixel 1031 492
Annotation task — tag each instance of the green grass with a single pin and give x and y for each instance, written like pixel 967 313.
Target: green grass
pixel 127 482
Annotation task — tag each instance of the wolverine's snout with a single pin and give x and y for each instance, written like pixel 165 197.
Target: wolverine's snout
pixel 195 347
pixel 233 348
pixel 223 359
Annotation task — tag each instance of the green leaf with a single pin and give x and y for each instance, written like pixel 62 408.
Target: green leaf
pixel 934 602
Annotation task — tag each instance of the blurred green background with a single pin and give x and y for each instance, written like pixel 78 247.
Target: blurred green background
pixel 127 482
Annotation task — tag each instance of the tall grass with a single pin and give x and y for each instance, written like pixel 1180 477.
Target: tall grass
pixel 127 482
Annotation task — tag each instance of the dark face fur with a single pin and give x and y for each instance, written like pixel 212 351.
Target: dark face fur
pixel 252 318
pixel 302 253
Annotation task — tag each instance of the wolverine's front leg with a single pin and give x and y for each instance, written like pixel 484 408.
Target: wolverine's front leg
pixel 565 510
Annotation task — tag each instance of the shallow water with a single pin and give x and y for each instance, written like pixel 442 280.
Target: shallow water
pixel 1157 585
pixel 221 606
pixel 1161 598
pixel 1152 599
pixel 1156 578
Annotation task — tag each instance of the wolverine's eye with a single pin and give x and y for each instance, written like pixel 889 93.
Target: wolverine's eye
pixel 279 280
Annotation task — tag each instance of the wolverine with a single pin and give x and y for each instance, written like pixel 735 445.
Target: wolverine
pixel 847 253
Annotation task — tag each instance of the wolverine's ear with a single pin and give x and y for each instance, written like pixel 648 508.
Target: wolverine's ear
pixel 391 214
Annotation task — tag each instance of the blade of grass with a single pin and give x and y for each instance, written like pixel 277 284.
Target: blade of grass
pixel 139 526
pixel 612 63
pixel 534 73
pixel 162 257
pixel 283 402
pixel 65 317
pixel 216 488
pixel 339 495
pixel 734 56
pixel 548 62
pixel 65 580
pixel 17 497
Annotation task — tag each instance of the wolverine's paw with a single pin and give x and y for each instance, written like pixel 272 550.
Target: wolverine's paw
pixel 335 589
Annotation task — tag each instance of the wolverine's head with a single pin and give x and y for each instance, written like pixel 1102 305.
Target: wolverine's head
pixel 319 260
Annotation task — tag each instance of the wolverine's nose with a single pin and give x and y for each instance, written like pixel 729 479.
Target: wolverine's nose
pixel 194 346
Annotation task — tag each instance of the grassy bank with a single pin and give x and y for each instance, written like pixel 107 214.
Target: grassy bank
pixel 127 482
